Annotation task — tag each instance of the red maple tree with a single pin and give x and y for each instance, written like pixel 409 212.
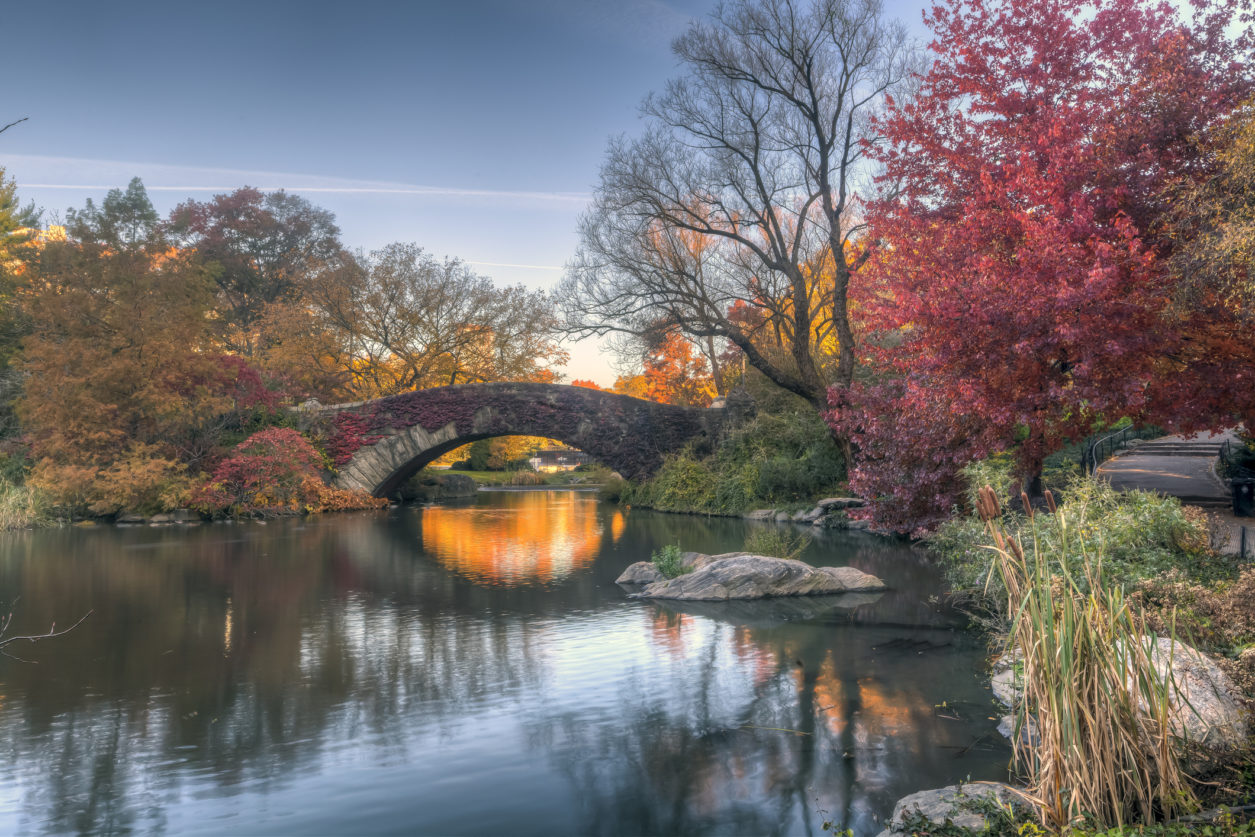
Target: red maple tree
pixel 1020 287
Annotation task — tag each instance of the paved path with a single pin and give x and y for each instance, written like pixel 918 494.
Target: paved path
pixel 1173 465
pixel 1181 467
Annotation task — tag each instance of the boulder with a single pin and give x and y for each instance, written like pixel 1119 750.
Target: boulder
pixel 949 804
pixel 854 581
pixel 645 572
pixel 832 520
pixel 809 516
pixel 642 572
pixel 1207 708
pixel 761 514
pixel 130 519
pixel 783 517
pixel 744 576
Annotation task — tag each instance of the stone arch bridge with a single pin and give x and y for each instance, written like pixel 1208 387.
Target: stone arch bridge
pixel 378 445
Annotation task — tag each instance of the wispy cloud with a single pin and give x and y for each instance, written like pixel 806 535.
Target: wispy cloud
pixel 87 175
pixel 523 266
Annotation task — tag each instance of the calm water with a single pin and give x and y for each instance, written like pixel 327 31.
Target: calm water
pixel 467 669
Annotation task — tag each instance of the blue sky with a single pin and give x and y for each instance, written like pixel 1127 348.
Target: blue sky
pixel 475 129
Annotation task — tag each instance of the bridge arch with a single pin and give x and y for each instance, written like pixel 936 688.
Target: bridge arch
pixel 378 445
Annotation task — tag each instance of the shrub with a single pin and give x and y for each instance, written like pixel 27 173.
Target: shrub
pixel 772 459
pixel 777 543
pixel 1142 535
pixel 141 481
pixel 668 560
pixel 273 472
pixel 612 489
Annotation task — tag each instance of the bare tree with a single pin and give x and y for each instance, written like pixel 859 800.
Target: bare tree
pixel 405 320
pixel 741 189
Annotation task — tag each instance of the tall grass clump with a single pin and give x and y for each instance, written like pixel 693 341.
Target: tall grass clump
pixel 1099 745
pixel 21 506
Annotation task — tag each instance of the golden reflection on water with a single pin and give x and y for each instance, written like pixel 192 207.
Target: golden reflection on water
pixel 533 536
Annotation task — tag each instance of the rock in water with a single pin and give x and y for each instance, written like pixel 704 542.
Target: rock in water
pixel 645 572
pixel 949 804
pixel 742 576
pixel 642 572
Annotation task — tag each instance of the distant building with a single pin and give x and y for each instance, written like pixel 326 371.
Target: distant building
pixel 558 459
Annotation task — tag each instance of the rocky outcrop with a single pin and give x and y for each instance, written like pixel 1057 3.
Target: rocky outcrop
pixel 645 572
pixel 642 572
pixel 746 576
pixel 949 804
pixel 1207 709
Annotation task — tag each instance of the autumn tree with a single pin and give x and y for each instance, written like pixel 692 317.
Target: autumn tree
pixel 263 250
pixel 674 374
pixel 1021 283
pixel 743 181
pixel 1212 227
pixel 407 320
pixel 16 222
pixel 119 382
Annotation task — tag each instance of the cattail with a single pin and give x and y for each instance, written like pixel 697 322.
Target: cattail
pixel 1028 507
pixel 987 504
pixel 1050 502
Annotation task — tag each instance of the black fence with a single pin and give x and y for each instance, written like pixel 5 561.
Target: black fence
pixel 1101 447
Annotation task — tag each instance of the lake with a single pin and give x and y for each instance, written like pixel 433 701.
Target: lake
pixel 469 668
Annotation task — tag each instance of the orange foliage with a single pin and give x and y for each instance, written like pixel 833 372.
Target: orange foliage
pixel 674 374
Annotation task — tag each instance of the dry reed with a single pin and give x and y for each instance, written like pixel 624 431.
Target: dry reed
pixel 1094 704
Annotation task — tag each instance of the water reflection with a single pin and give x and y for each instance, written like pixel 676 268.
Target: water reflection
pixel 333 676
pixel 525 537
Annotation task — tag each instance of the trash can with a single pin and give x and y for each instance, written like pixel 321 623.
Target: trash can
pixel 1243 497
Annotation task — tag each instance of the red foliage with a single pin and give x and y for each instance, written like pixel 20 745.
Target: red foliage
pixel 586 384
pixel 265 472
pixel 1020 264
pixel 352 431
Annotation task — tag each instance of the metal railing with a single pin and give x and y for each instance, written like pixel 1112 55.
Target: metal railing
pixel 1098 449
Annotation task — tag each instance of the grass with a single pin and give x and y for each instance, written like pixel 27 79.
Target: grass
pixel 22 507
pixel 1103 747
pixel 669 561
pixel 1142 536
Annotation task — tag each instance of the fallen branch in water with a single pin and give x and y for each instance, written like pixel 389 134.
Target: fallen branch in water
pixel 52 632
